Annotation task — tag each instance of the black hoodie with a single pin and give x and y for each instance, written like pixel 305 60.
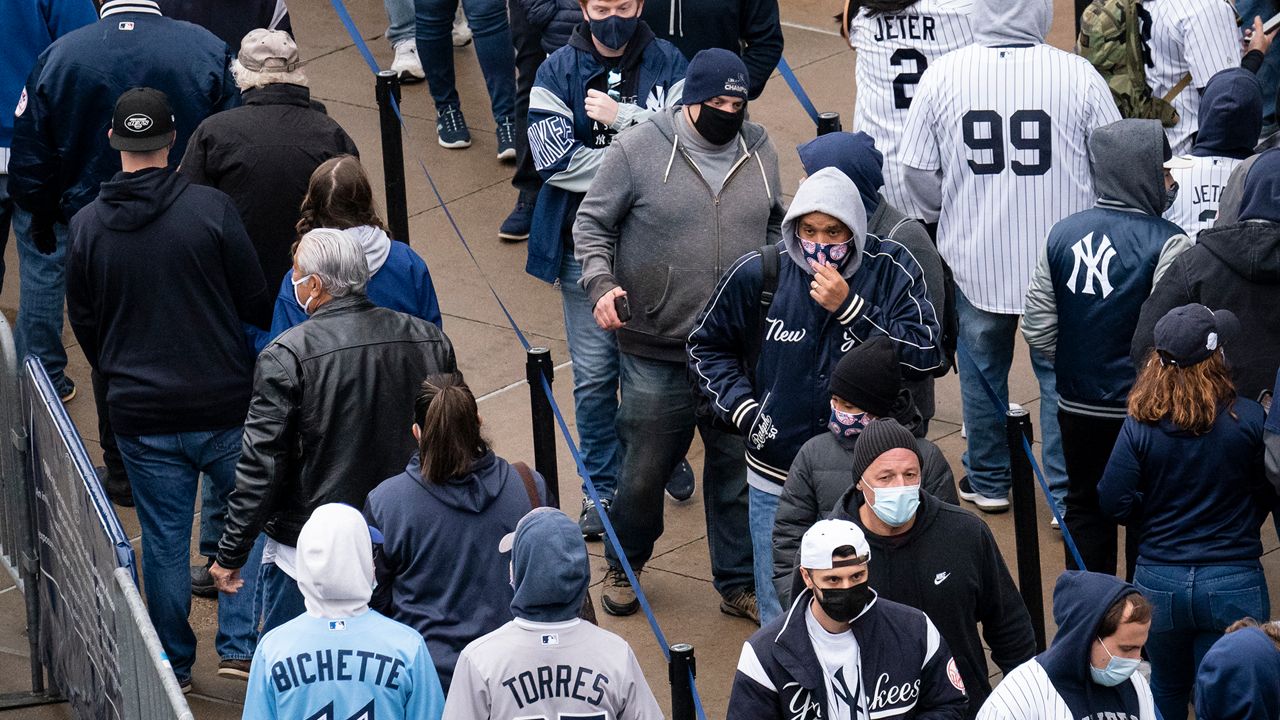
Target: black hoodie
pixel 160 276
pixel 750 28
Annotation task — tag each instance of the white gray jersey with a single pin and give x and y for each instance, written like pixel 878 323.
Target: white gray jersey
pixel 893 53
pixel 527 670
pixel 1189 36
pixel 1199 188
pixel 1006 127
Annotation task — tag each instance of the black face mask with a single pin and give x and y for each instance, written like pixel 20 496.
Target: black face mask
pixel 717 126
pixel 845 604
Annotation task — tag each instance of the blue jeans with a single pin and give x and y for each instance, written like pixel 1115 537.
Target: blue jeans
pixel 165 472
pixel 400 16
pixel 764 510
pixel 1191 606
pixel 595 382
pixel 989 338
pixel 282 601
pixel 656 421
pixel 6 214
pixel 42 283
pixel 213 519
pixel 494 50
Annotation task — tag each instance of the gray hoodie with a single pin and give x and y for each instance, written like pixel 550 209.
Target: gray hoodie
pixel 652 224
pixel 1011 22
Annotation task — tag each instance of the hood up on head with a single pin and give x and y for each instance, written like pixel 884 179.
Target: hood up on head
pixel 375 243
pixel 1080 599
pixel 853 154
pixel 1239 678
pixel 1011 22
pixel 1261 200
pixel 832 192
pixel 549 567
pixel 1230 115
pixel 1126 160
pixel 132 200
pixel 335 562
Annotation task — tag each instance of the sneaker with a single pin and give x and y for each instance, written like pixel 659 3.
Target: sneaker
pixel 517 225
pixel 680 484
pixel 202 582
pixel 184 684
pixel 461 33
pixel 984 503
pixel 118 490
pixel 407 65
pixel 69 394
pixel 589 521
pixel 452 129
pixel 234 669
pixel 1054 524
pixel 619 598
pixel 741 604
pixel 507 140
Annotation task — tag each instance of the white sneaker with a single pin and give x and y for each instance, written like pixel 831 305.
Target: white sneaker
pixel 461 32
pixel 407 64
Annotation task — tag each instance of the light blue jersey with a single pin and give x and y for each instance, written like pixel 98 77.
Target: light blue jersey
pixel 367 667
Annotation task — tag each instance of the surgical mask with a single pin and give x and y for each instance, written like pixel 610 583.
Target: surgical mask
pixel 845 424
pixel 844 604
pixel 1170 195
pixel 297 299
pixel 718 127
pixel 1117 670
pixel 896 505
pixel 614 32
pixel 832 254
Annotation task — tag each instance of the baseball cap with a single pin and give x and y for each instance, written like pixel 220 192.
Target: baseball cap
pixel 508 541
pixel 1175 162
pixel 1189 334
pixel 142 121
pixel 264 50
pixel 825 537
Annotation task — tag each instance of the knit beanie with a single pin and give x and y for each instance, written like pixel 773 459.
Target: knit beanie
pixel 869 376
pixel 714 72
pixel 877 438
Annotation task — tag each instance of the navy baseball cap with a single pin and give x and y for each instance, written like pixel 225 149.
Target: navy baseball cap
pixel 1189 334
pixel 142 122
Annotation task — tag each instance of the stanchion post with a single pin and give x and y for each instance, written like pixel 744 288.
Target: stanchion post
pixel 1025 528
pixel 537 366
pixel 829 122
pixel 393 155
pixel 681 671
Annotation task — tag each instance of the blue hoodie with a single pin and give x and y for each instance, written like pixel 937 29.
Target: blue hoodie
pixel 438 566
pixel 1239 678
pixel 1261 200
pixel 1230 115
pixel 549 567
pixel 853 154
pixel 1080 599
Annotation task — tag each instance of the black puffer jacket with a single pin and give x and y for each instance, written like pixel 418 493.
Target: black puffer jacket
pixel 329 418
pixel 554 19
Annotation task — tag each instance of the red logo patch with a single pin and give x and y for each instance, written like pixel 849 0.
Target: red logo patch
pixel 953 674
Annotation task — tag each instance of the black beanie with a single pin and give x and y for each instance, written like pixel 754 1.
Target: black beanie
pixel 877 438
pixel 869 376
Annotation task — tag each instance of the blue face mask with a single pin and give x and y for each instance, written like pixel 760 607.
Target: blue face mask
pixel 833 254
pixel 614 32
pixel 896 505
pixel 845 424
pixel 1117 670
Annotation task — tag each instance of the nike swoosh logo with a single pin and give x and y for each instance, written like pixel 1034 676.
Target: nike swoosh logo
pixel 940 577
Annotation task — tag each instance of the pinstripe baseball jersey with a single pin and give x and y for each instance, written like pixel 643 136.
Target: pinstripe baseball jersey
pixel 893 53
pixel 1199 188
pixel 1189 36
pixel 1006 127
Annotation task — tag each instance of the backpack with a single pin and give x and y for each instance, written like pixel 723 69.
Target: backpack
pixel 1112 39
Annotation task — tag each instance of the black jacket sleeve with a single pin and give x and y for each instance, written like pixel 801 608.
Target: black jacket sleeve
pixel 940 698
pixel 254 300
pixel 80 299
pixel 1006 624
pixel 797 511
pixel 761 37
pixel 1172 291
pixel 936 476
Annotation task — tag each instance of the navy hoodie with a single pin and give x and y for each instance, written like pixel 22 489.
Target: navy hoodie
pixel 438 568
pixel 1230 115
pixel 160 276
pixel 1239 678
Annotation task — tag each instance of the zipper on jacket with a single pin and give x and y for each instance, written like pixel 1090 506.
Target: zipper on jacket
pixel 715 197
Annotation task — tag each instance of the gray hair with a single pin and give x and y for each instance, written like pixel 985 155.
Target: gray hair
pixel 335 259
pixel 247 79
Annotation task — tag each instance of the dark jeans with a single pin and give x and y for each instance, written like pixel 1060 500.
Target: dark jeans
pixel 488 22
pixel 1086 446
pixel 106 437
pixel 656 421
pixel 6 214
pixel 529 57
pixel 1191 606
pixel 281 599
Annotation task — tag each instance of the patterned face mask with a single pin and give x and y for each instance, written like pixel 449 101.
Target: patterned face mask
pixel 824 253
pixel 845 424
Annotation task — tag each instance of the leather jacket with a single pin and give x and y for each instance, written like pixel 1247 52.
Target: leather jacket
pixel 329 418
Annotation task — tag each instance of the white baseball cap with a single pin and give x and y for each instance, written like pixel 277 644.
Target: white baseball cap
pixel 825 537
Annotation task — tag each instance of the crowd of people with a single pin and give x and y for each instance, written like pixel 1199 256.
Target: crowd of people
pixel 262 349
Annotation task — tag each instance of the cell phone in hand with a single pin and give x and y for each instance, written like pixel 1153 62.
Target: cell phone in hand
pixel 622 306
pixel 1270 26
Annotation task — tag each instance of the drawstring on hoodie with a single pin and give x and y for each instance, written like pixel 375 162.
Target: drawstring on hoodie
pixel 671 159
pixel 677 8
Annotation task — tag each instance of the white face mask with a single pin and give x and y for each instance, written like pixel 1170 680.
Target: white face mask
pixel 296 299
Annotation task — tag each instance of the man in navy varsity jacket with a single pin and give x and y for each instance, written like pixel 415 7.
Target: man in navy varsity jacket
pixel 842 652
pixel 1083 305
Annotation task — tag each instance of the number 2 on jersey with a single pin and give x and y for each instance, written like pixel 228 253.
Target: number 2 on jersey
pixel 992 141
pixel 901 101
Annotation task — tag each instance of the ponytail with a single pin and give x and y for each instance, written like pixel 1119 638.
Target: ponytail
pixel 447 415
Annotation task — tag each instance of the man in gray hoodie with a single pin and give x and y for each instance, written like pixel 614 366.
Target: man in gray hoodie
pixel 675 202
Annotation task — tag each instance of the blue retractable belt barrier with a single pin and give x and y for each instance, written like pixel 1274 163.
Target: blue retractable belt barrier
pixel 352 30
pixel 797 89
